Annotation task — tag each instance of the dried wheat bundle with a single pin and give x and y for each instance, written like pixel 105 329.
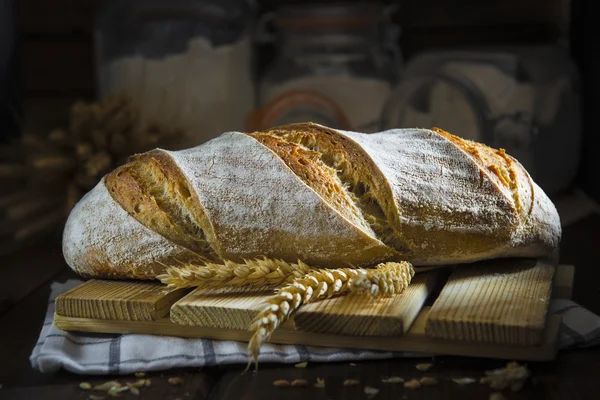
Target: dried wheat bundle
pixel 259 272
pixel 44 175
pixel 386 279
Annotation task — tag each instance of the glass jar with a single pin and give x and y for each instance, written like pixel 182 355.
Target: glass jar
pixel 333 66
pixel 185 63
pixel 523 99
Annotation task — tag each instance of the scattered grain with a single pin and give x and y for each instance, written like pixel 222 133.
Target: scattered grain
pixel 351 382
pixel 140 374
pixel 134 390
pixel 281 383
pixel 114 391
pixel 175 380
pixel 428 381
pixel 301 365
pixel 94 397
pixel 412 384
pixel 85 386
pixel 464 381
pixel 497 396
pixel 513 376
pixel 137 384
pixel 299 383
pixel 392 379
pixel 424 367
pixel 371 392
pixel 106 386
pixel 320 383
pixel 148 382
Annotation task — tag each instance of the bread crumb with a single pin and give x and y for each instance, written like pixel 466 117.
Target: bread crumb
pixel 513 376
pixel 320 383
pixel 85 386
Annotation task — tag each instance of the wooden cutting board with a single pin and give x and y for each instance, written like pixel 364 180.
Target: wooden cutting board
pixel 491 309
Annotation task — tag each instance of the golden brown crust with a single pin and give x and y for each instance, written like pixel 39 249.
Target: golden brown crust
pixel 330 198
pixel 152 189
pixel 499 167
pixel 308 166
pixel 367 185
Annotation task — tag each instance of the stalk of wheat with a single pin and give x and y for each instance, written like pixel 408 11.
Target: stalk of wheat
pixel 384 280
pixel 260 272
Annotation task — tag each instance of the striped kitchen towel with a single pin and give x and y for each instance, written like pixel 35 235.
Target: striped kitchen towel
pixel 86 353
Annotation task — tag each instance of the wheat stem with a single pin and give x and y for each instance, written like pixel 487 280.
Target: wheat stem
pixel 386 279
pixel 260 272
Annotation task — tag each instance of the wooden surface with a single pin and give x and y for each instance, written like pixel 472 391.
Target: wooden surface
pixel 364 316
pixel 235 310
pixel 359 315
pixel 415 340
pixel 118 300
pixel 573 375
pixel 227 317
pixel 494 302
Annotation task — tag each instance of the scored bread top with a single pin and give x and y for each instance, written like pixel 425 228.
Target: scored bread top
pixel 258 206
pixel 304 191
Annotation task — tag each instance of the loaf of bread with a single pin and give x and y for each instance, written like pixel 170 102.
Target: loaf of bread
pixel 307 192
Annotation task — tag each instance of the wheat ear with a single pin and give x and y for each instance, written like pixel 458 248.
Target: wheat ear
pixel 386 279
pixel 257 273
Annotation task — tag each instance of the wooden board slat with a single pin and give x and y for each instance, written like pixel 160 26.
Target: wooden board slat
pixel 235 309
pixel 362 315
pixel 118 300
pixel 346 315
pixel 494 302
pixel 414 341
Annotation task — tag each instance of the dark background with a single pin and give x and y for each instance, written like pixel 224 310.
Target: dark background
pixel 51 63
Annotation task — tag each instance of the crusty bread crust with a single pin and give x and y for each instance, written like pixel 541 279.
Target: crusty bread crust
pixel 304 191
pixel 154 192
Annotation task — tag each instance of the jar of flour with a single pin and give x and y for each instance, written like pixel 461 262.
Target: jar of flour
pixel 183 63
pixel 333 66
pixel 525 99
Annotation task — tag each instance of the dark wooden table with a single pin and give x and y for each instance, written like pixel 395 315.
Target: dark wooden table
pixel 25 288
